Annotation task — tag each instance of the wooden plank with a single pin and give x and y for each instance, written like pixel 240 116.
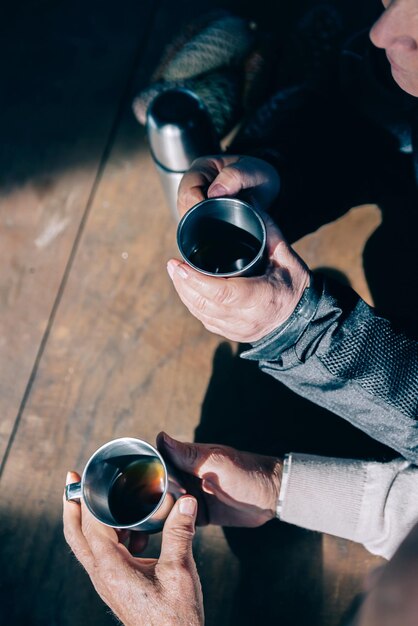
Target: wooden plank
pixel 287 575
pixel 337 248
pixel 344 571
pixel 68 65
pixel 124 358
pixel 118 334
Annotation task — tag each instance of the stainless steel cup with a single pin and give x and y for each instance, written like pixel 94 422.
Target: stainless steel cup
pixel 223 237
pixel 106 465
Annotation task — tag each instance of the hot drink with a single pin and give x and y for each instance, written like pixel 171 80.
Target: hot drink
pixel 223 236
pixel 222 247
pixel 137 488
pixel 126 484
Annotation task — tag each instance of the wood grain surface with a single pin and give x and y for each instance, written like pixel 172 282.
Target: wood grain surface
pixel 95 343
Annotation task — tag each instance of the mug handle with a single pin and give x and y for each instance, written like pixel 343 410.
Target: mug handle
pixel 73 492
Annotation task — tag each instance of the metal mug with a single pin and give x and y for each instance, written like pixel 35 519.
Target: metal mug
pixel 109 463
pixel 223 237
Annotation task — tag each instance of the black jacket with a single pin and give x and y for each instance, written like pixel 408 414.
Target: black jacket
pixel 343 139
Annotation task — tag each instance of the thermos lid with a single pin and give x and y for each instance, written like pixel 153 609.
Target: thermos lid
pixel 179 129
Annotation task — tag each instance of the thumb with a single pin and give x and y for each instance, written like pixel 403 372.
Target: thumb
pixel 229 182
pixel 185 456
pixel 248 174
pixel 178 532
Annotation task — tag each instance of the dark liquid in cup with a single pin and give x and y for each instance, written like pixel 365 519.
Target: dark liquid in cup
pixel 222 248
pixel 137 489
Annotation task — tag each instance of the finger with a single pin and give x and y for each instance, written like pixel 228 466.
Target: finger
pixel 231 180
pixel 124 535
pixel 112 559
pixel 187 457
pixel 72 527
pixel 195 285
pixel 178 532
pixel 198 291
pixel 246 174
pixel 137 542
pixel 100 538
pixel 218 302
pixel 190 192
pixel 134 541
pixel 195 182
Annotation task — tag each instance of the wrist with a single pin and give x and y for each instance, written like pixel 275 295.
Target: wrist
pixel 299 285
pixel 275 485
pixel 269 347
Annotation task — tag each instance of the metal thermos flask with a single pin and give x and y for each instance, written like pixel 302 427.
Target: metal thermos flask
pixel 179 131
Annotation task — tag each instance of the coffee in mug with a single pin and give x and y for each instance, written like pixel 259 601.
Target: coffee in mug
pixel 223 237
pixel 127 484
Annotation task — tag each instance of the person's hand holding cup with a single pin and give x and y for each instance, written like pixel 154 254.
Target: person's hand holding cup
pixel 239 307
pixel 229 176
pixel 140 591
pixel 231 488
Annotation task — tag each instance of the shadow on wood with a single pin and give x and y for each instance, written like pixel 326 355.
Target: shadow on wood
pixel 249 410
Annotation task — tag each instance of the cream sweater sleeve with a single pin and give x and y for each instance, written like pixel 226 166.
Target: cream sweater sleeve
pixel 373 503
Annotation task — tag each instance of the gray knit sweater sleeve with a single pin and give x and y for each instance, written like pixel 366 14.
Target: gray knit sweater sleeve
pixel 340 353
pixel 375 504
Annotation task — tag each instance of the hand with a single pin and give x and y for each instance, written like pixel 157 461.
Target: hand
pixel 236 488
pixel 245 309
pixel 211 177
pixel 141 592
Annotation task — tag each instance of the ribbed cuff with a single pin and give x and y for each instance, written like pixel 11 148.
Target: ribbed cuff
pixel 323 494
pixel 287 461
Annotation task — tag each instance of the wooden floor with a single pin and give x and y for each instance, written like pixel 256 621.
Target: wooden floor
pixel 96 345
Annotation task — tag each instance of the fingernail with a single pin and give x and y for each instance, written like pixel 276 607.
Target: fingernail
pixel 181 271
pixel 68 478
pixel 187 506
pixel 208 486
pixel 170 269
pixel 217 190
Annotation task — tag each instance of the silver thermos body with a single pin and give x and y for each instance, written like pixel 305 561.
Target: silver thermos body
pixel 179 131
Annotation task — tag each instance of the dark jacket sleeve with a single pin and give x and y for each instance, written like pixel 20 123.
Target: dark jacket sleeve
pixel 340 353
pixel 320 149
pixel 325 143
